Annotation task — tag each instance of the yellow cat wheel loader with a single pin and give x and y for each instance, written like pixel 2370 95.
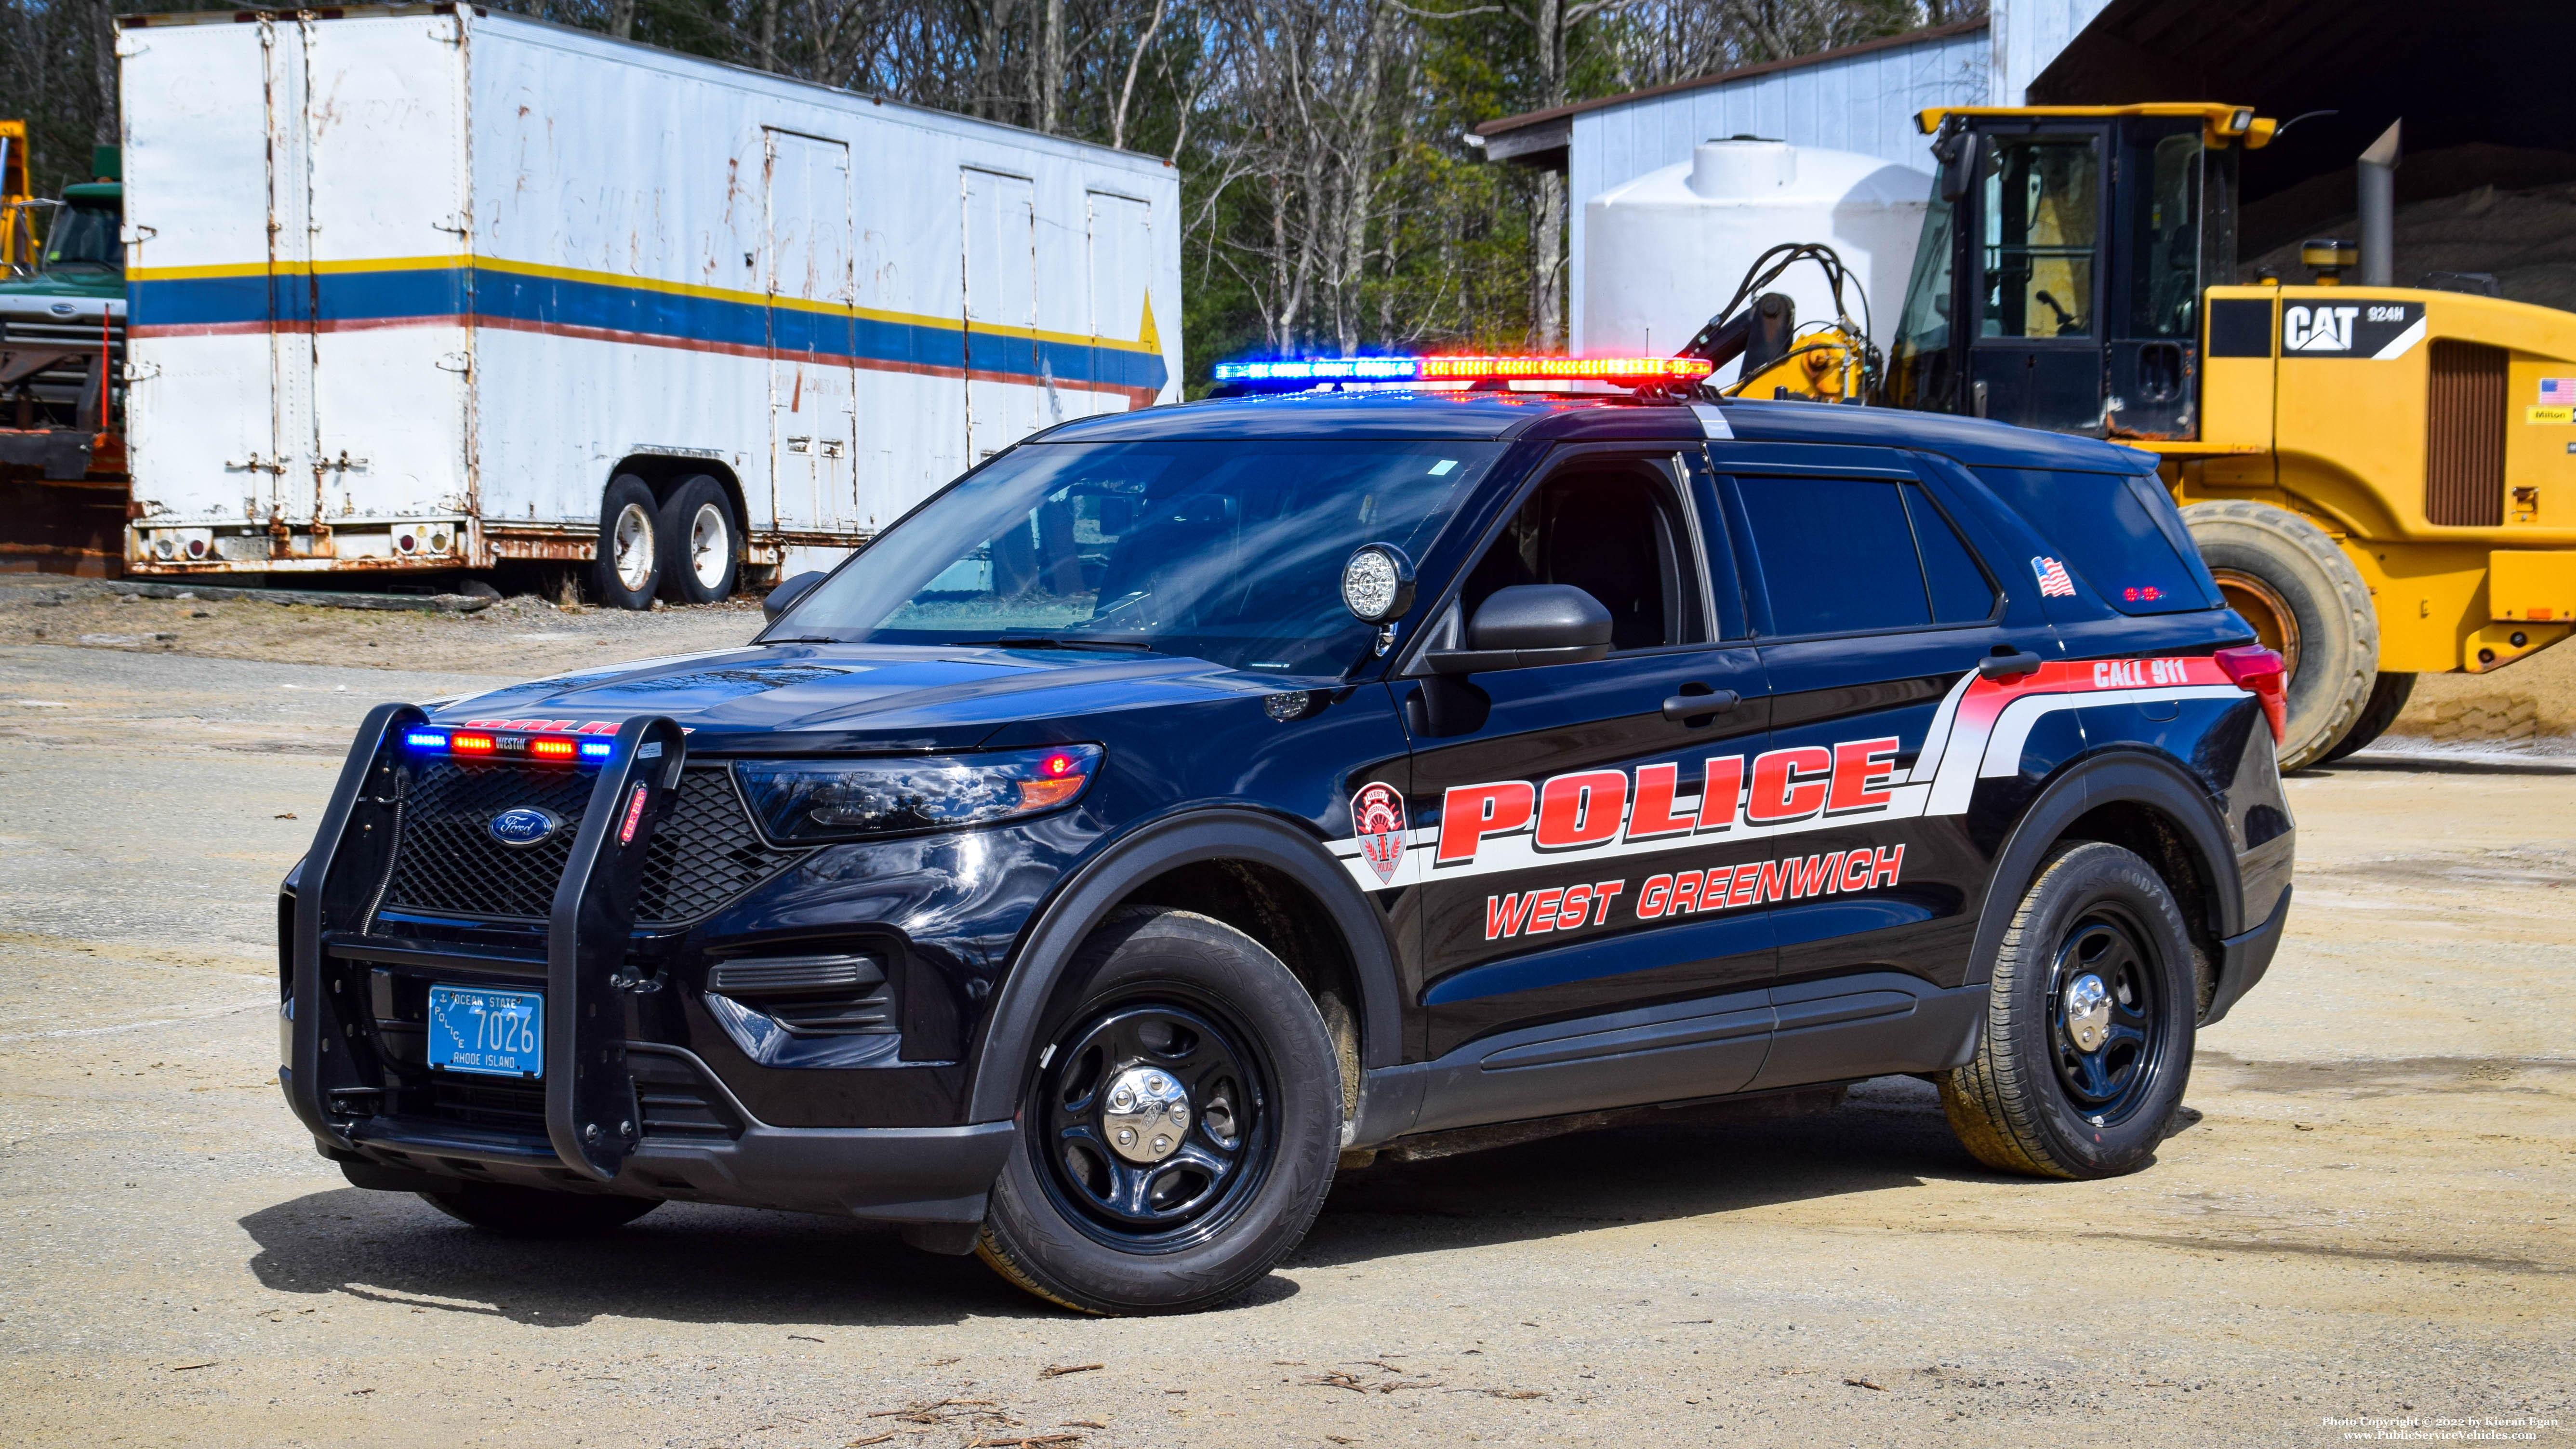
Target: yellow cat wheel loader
pixel 2381 478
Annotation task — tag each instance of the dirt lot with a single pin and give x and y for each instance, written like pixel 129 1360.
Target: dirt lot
pixel 2368 1214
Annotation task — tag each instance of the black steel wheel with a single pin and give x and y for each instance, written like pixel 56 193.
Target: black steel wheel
pixel 1156 1120
pixel 2106 1034
pixel 2090 1016
pixel 1179 1128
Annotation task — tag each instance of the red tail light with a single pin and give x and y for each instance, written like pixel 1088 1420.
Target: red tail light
pixel 2257 670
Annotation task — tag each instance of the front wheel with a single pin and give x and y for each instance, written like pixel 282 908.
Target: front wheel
pixel 627 571
pixel 2307 602
pixel 2387 701
pixel 1179 1130
pixel 2089 1024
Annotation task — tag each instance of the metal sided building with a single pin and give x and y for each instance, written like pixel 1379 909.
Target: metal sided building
pixel 411 285
pixel 1860 98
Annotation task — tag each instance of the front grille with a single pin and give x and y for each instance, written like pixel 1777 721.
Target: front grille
pixel 676 1103
pixel 54 392
pixel 2464 436
pixel 704 852
pixel 496 1103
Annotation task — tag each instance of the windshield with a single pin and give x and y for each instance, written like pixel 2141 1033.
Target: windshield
pixel 1230 552
pixel 85 237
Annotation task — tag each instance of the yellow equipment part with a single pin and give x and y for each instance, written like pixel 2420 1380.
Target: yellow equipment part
pixel 17 239
pixel 2434 453
pixel 1823 364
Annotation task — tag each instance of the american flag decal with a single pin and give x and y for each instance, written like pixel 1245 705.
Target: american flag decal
pixel 2052 577
pixel 2557 391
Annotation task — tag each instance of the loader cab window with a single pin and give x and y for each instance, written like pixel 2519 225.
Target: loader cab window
pixel 2164 240
pixel 2042 213
pixel 1920 371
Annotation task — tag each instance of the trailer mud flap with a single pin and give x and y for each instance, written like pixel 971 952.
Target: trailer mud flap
pixel 337 890
pixel 591 1115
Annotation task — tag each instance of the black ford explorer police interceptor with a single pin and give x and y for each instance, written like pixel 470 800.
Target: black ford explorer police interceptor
pixel 1188 801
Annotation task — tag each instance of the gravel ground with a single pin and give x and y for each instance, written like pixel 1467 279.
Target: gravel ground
pixel 2366 1213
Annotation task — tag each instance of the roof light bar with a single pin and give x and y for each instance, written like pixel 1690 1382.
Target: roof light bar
pixel 1466 369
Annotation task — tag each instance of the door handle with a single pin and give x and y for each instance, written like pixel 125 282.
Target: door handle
pixel 2009 666
pixel 1693 706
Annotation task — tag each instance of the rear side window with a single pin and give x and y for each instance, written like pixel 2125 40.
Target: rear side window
pixel 1846 555
pixel 2117 531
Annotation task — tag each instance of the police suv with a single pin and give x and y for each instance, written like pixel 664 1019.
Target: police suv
pixel 1189 801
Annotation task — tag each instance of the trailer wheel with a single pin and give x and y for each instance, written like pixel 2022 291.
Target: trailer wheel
pixel 701 546
pixel 628 571
pixel 2304 599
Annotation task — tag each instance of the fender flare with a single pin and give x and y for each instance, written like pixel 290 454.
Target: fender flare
pixel 1037 967
pixel 2089 784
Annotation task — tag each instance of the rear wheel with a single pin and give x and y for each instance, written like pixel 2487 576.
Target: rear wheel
pixel 2089 1024
pixel 528 1212
pixel 701 547
pixel 627 571
pixel 2387 700
pixel 1180 1131
pixel 2306 601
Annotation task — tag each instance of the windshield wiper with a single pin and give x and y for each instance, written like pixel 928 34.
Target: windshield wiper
pixel 803 639
pixel 1044 642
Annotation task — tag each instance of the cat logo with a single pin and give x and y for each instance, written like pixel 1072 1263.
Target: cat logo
pixel 2317 329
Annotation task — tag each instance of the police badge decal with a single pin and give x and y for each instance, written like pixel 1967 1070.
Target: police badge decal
pixel 1377 818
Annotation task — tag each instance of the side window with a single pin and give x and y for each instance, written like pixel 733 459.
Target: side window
pixel 1836 555
pixel 1615 532
pixel 1961 593
pixel 2118 531
pixel 1855 555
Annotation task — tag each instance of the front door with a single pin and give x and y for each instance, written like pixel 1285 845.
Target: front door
pixel 1558 791
pixel 2036 358
pixel 812 338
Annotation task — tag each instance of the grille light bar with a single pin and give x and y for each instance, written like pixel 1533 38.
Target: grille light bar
pixel 552 749
pixel 1467 369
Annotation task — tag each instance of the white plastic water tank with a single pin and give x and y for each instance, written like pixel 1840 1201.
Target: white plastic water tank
pixel 1663 252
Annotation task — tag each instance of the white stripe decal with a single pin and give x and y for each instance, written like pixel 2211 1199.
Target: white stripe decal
pixel 2399 345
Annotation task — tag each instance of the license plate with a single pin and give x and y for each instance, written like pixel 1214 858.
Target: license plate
pixel 486 1032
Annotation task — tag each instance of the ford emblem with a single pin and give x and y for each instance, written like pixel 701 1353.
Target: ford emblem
pixel 524 826
pixel 62 309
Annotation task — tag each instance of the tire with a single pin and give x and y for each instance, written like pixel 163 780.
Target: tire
pixel 701 543
pixel 628 569
pixel 2033 1099
pixel 2387 700
pixel 529 1212
pixel 2305 599
pixel 1082 1223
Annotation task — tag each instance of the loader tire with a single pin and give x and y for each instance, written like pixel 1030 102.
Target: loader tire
pixel 2304 599
pixel 2387 699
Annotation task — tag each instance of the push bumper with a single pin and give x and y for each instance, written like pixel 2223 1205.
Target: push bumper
pixel 596 1136
pixel 2243 958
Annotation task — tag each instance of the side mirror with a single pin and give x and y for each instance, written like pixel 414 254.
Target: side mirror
pixel 1528 625
pixel 1957 153
pixel 785 595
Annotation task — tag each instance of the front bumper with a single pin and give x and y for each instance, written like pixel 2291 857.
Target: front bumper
pixel 611 1114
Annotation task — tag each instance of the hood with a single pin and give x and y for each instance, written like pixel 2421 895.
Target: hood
pixel 806 698
pixel 87 293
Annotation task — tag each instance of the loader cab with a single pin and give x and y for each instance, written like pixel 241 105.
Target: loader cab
pixel 2058 281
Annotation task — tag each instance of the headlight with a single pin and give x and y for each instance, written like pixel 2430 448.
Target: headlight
pixel 809 800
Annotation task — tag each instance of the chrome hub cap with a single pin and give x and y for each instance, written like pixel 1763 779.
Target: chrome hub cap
pixel 2088 1013
pixel 633 539
pixel 1147 1115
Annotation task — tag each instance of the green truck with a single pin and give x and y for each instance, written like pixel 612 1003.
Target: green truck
pixel 63 485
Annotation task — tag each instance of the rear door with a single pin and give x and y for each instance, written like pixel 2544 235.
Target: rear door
pixel 377 390
pixel 1874 609
pixel 1126 352
pixel 200 414
pixel 1559 790
pixel 813 384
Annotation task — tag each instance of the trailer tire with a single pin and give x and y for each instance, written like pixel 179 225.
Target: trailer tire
pixel 2304 599
pixel 701 543
pixel 628 569
pixel 2387 699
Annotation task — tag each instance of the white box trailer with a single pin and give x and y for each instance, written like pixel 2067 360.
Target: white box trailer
pixel 416 288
